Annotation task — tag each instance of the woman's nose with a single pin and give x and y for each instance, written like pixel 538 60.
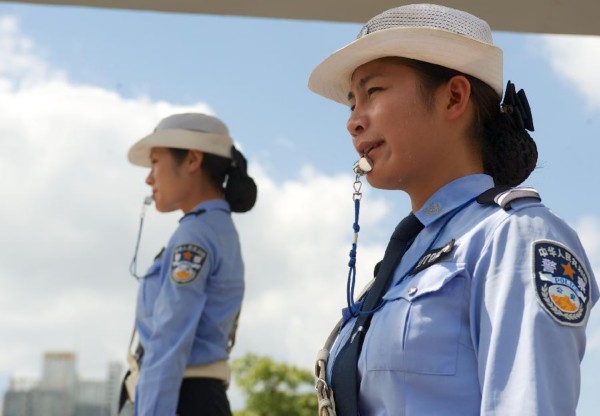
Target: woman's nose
pixel 150 179
pixel 357 122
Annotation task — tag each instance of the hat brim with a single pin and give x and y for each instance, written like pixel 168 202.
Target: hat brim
pixel 331 78
pixel 217 144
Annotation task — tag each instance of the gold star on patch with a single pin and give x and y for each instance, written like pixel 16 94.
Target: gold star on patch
pixel 568 270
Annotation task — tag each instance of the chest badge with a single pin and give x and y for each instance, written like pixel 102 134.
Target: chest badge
pixel 561 283
pixel 432 256
pixel 187 263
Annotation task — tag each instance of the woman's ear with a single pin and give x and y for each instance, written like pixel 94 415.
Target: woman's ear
pixel 194 160
pixel 457 93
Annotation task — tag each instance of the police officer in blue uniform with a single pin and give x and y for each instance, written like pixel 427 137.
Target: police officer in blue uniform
pixel 189 299
pixel 485 314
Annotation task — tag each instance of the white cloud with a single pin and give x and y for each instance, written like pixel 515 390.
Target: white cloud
pixel 69 210
pixel 577 59
pixel 588 229
pixel 70 213
pixel 20 58
pixel 285 142
pixel 296 246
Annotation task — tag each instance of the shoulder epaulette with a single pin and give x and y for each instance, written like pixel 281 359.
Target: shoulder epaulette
pixel 503 196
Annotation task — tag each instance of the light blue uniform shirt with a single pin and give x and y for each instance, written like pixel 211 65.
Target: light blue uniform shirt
pixel 471 334
pixel 187 304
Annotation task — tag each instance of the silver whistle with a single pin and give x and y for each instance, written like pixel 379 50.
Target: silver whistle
pixel 362 166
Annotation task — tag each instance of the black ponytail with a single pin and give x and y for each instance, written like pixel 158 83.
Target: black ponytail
pixel 241 190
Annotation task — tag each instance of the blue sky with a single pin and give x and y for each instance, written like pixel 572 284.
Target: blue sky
pixel 78 86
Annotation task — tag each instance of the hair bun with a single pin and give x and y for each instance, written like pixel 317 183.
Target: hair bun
pixel 241 190
pixel 511 155
pixel 241 193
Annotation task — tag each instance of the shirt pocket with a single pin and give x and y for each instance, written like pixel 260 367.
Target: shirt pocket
pixel 418 329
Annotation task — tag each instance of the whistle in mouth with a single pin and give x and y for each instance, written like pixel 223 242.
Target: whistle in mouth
pixel 362 166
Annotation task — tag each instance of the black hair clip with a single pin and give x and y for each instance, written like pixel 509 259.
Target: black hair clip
pixel 516 106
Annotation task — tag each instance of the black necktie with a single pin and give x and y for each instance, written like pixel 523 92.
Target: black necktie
pixel 344 377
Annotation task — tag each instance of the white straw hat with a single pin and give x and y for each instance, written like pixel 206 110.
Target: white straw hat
pixel 425 32
pixel 193 131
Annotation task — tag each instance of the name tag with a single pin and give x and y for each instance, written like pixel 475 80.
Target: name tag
pixel 432 256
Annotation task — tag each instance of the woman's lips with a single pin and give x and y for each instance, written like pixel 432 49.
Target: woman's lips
pixel 369 150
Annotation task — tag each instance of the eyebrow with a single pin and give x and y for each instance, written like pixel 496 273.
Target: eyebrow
pixel 363 82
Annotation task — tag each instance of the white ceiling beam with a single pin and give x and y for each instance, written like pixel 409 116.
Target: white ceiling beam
pixel 535 16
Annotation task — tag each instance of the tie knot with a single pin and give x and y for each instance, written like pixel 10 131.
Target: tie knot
pixel 408 228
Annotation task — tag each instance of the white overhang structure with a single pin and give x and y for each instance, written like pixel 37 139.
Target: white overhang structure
pixel 581 17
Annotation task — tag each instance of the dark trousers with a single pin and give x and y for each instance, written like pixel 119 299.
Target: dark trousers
pixel 203 397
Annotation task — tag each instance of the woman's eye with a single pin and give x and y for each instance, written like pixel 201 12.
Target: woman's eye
pixel 373 90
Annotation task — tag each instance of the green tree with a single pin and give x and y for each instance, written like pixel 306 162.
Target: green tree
pixel 274 389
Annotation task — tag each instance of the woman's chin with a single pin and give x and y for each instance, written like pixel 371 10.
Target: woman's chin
pixel 379 182
pixel 376 181
pixel 162 208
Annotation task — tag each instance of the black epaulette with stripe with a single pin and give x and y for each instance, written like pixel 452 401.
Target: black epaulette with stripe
pixel 504 196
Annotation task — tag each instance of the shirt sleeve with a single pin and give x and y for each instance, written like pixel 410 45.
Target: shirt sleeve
pixel 177 311
pixel 528 358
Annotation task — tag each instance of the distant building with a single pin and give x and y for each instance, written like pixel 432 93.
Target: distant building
pixel 59 371
pixel 60 392
pixel 113 386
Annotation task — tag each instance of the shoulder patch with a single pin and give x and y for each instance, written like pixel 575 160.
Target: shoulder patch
pixel 561 283
pixel 187 263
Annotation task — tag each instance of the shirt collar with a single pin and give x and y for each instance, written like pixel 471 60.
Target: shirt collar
pixel 452 195
pixel 213 204
pixel 210 205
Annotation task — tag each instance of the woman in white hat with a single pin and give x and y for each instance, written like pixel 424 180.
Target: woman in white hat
pixel 190 298
pixel 485 313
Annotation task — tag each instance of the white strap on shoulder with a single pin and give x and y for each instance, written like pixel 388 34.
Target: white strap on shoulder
pixel 505 198
pixel 324 392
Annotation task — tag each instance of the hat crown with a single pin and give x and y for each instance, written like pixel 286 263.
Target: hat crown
pixel 194 122
pixel 429 33
pixel 430 16
pixel 194 131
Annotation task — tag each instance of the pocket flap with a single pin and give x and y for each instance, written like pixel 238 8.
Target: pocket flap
pixel 430 280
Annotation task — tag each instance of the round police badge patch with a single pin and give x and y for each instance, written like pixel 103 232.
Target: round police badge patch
pixel 187 263
pixel 561 282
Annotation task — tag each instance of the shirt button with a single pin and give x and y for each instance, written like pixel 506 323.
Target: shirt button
pixel 412 291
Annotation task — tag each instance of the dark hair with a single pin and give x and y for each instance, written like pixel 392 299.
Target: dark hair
pixel 228 175
pixel 509 153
